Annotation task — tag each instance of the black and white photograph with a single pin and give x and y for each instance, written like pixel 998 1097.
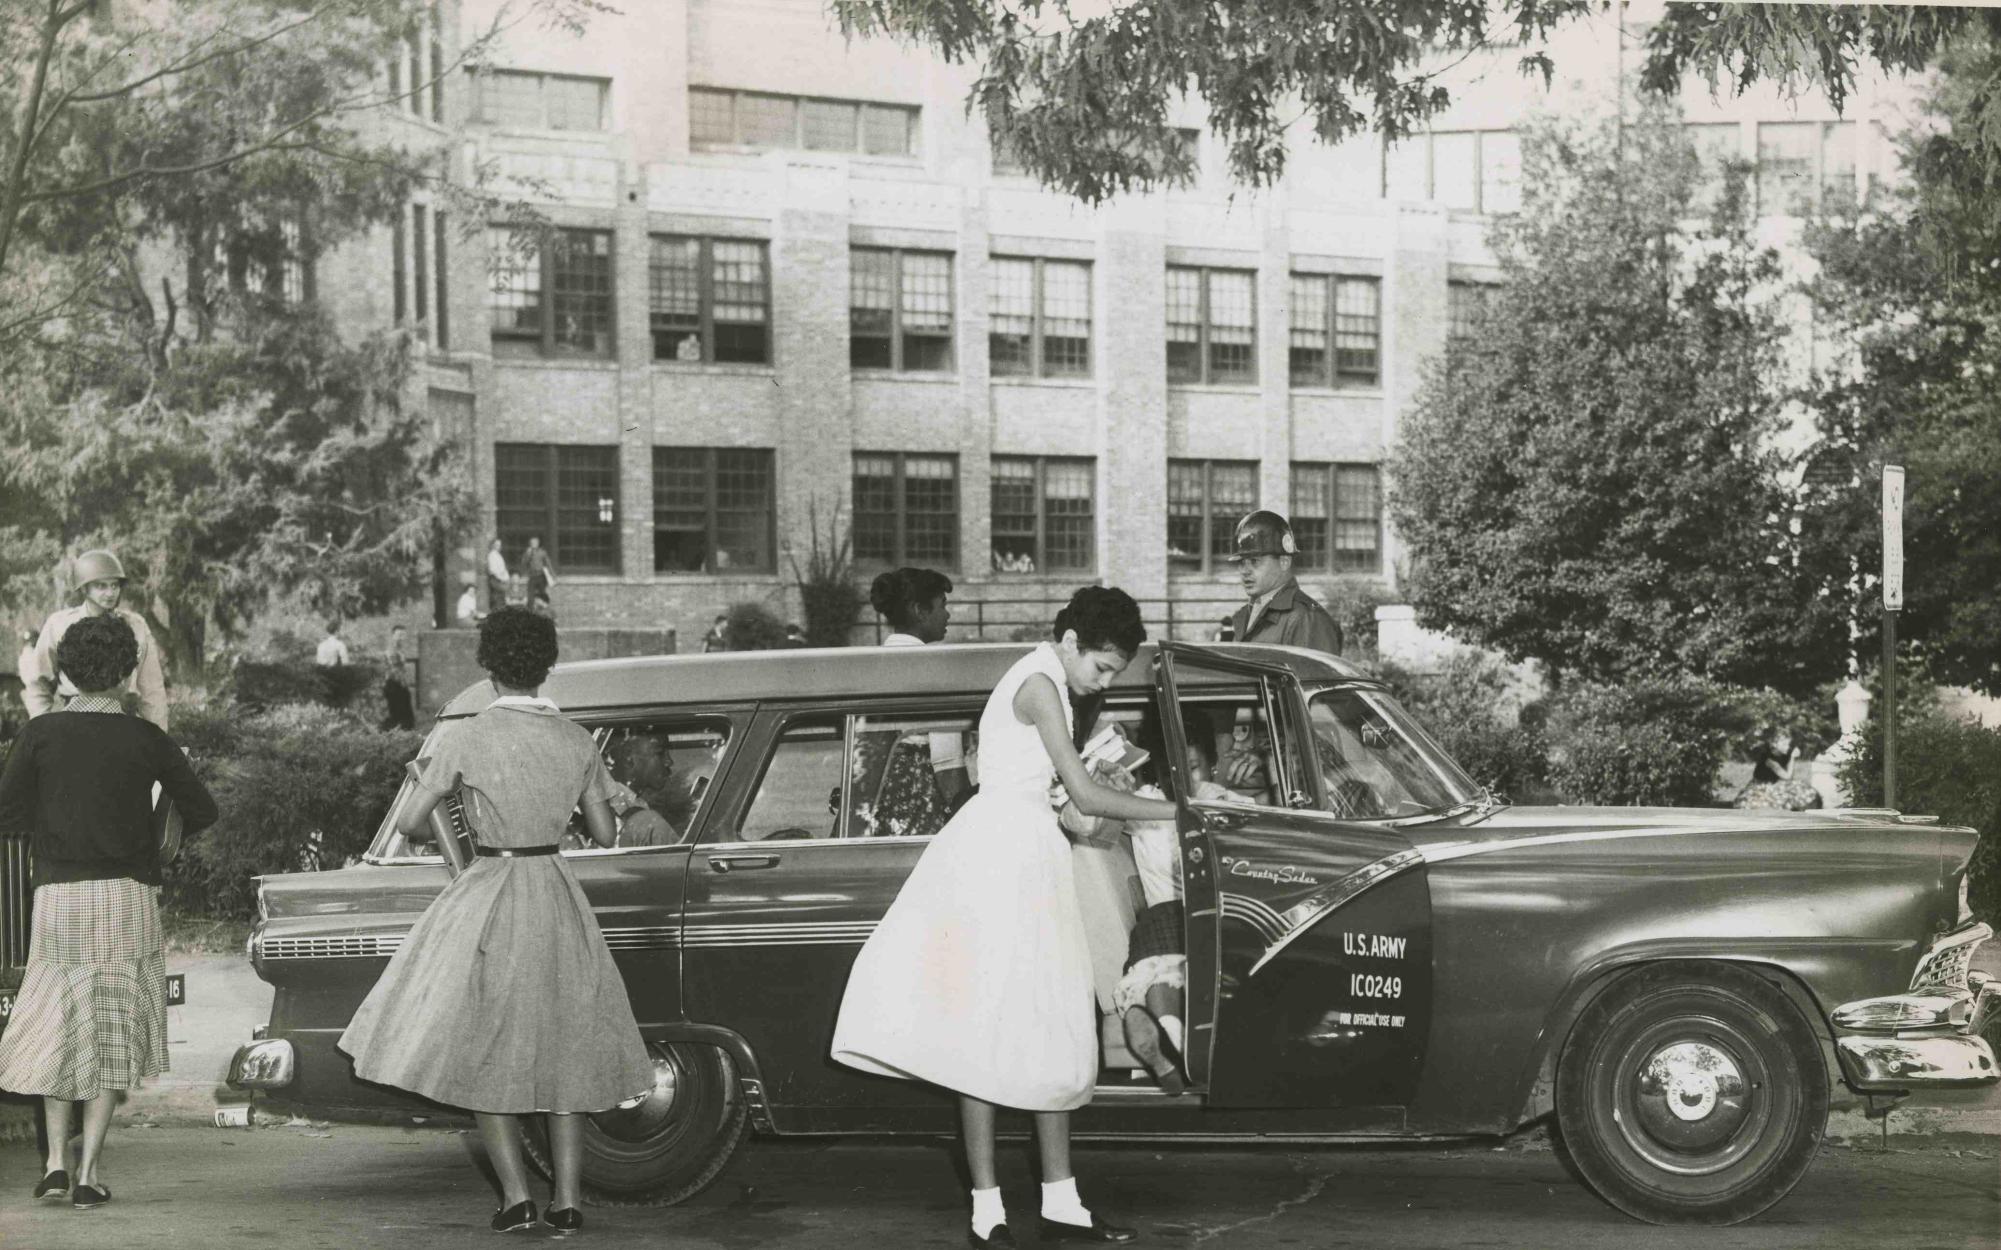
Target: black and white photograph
pixel 779 624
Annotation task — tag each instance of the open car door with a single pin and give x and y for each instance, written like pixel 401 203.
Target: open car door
pixel 1308 935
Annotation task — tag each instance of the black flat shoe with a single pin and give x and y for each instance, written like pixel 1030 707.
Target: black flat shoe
pixel 520 1215
pixel 999 1237
pixel 1096 1231
pixel 54 1185
pixel 564 1220
pixel 84 1197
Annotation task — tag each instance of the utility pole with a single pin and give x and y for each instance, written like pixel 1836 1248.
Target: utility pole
pixel 1893 602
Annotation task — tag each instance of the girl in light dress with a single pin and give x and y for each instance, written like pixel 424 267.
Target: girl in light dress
pixel 979 977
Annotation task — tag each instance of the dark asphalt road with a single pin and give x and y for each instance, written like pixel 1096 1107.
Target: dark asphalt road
pixel 304 1186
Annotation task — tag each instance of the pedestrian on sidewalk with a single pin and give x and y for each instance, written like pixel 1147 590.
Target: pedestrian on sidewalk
pixel 91 1016
pixel 504 999
pixel 402 714
pixel 497 578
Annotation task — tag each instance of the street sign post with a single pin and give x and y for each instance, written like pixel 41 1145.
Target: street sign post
pixel 1893 601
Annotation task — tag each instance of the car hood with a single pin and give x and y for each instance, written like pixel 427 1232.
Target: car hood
pixel 1533 826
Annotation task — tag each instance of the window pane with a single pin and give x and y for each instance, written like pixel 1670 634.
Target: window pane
pixel 743 510
pixel 1307 335
pixel 875 508
pixel 892 783
pixel 1184 324
pixel 1069 489
pixel 1500 172
pixel 1455 170
pixel 515 298
pixel 1716 146
pixel 1233 493
pixel 888 130
pixel 931 510
pixel 1014 515
pixel 742 298
pixel 580 275
pixel 509 98
pixel 1466 303
pixel 1404 169
pixel 1310 509
pixel 1786 153
pixel 667 767
pixel 1011 318
pixel 674 297
pixel 791 802
pixel 1232 354
pixel 767 121
pixel 1357 511
pixel 1066 318
pixel 871 307
pixel 586 509
pixel 1356 322
pixel 1837 163
pixel 1185 514
pixel 575 103
pixel 523 493
pixel 927 311
pixel 680 509
pixel 711 119
pixel 829 125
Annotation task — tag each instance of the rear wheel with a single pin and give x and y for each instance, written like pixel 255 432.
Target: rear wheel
pixel 671 1146
pixel 1692 1094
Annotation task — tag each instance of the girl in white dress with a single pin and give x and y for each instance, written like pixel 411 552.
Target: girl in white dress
pixel 979 978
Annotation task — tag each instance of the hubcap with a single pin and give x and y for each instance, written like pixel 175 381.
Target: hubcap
pixel 645 1119
pixel 1690 1104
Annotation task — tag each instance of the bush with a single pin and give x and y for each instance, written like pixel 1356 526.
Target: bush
pixel 1353 606
pixel 1948 768
pixel 1464 706
pixel 753 627
pixel 829 597
pixel 1654 742
pixel 301 788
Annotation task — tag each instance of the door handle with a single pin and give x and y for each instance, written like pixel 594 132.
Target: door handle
pixel 732 863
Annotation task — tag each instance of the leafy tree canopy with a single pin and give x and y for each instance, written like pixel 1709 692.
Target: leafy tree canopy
pixel 1081 92
pixel 1590 479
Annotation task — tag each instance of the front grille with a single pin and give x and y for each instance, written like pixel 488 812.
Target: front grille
pixel 17 896
pixel 346 946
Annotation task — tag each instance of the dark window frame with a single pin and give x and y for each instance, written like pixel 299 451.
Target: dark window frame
pixel 900 515
pixel 1319 551
pixel 1039 534
pixel 1332 375
pixel 912 114
pixel 897 333
pixel 550 526
pixel 1206 373
pixel 1209 561
pixel 545 261
pixel 711 475
pixel 705 279
pixel 1038 361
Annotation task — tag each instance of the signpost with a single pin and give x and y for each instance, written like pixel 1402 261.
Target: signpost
pixel 1893 601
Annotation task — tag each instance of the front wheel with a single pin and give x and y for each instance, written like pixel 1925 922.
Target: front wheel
pixel 1692 1094
pixel 671 1146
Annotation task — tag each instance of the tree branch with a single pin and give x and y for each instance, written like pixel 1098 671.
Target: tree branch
pixel 10 205
pixel 184 67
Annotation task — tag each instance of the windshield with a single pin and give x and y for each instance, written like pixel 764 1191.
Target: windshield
pixel 1376 764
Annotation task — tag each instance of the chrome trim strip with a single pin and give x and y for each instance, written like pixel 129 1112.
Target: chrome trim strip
pixel 1303 915
pixel 1461 850
pixel 636 937
pixel 1925 1062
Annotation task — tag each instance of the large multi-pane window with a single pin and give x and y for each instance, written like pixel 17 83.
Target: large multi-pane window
pixel 1805 165
pixel 713 510
pixel 1466 305
pixel 1337 517
pixel 1044 514
pixel 1211 325
pixel 709 300
pixel 1717 145
pixel 529 101
pixel 1205 500
pixel 759 119
pixel 906 509
pixel 900 310
pixel 550 292
pixel 1474 170
pixel 1336 334
pixel 418 237
pixel 563 494
pixel 1041 318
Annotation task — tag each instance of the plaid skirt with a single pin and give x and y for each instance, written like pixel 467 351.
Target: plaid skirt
pixel 91 1015
pixel 1156 932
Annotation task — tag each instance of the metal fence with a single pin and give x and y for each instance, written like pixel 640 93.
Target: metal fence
pixel 16 900
pixel 1193 617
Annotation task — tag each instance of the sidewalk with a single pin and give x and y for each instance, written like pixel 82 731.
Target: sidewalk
pixel 226 1001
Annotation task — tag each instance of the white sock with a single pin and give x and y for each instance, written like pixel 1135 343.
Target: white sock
pixel 1171 1025
pixel 988 1213
pixel 1061 1203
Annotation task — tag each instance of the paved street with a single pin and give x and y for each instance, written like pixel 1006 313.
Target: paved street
pixel 306 1186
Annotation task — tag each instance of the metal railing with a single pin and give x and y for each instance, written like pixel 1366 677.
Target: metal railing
pixel 1195 616
pixel 17 897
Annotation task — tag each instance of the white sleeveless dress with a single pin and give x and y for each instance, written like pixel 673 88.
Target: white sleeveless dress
pixel 979 977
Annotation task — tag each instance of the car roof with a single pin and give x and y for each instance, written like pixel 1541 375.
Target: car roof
pixel 846 672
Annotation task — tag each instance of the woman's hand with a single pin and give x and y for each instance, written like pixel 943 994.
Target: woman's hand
pixel 1037 703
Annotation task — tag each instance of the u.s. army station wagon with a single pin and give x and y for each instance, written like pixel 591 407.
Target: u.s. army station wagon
pixel 1377 949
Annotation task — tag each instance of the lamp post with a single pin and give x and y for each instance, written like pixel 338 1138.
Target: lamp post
pixel 1893 601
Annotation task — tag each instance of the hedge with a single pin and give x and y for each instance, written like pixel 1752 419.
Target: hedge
pixel 1948 768
pixel 1655 742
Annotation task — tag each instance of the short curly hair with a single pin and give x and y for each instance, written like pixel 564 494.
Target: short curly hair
pixel 899 593
pixel 1105 618
pixel 517 647
pixel 98 653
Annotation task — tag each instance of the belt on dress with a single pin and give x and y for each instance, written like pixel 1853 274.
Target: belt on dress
pixel 516 852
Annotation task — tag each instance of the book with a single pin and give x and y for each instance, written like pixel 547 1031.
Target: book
pixel 1110 747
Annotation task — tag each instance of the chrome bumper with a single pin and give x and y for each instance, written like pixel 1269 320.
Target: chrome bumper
pixel 267 1064
pixel 1929 1037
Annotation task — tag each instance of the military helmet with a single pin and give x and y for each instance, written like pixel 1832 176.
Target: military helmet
pixel 1264 533
pixel 97 566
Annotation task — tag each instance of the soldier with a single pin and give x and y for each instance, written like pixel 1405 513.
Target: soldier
pixel 1278 611
pixel 100 583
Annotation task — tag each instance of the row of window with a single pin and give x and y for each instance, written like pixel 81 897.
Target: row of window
pixel 419 238
pixel 709 301
pixel 715 510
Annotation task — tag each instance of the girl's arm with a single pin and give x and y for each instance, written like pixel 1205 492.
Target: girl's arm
pixel 598 820
pixel 415 818
pixel 1037 703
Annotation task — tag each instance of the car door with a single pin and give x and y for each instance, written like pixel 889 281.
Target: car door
pixel 792 876
pixel 1309 953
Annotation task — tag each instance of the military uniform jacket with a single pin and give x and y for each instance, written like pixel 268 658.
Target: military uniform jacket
pixel 1291 619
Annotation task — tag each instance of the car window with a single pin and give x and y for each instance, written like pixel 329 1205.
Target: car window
pixel 1374 763
pixel 389 844
pixel 660 773
pixel 799 795
pixel 907 774
pixel 1237 736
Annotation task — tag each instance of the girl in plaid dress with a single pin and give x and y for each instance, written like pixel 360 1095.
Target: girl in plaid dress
pixel 91 1018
